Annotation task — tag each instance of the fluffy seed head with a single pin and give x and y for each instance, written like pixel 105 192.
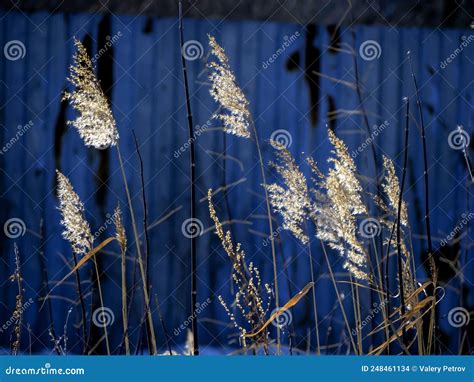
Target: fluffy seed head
pixel 76 227
pixel 95 123
pixel 120 229
pixel 337 207
pixel 291 200
pixel 391 189
pixel 235 113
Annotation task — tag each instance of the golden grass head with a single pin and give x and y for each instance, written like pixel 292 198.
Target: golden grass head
pixel 76 227
pixel 120 229
pixel 338 204
pixel 248 297
pixel 292 200
pixel 391 188
pixel 226 92
pixel 95 123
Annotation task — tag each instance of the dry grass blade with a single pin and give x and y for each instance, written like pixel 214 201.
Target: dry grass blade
pixel 291 303
pixel 406 325
pixel 80 263
pixel 415 309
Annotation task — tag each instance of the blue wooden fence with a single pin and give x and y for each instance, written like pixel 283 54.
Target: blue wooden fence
pixel 147 96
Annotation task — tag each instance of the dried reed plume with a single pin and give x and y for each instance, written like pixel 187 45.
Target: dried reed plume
pixel 248 298
pixel 95 124
pixel 228 94
pixel 122 240
pixel 337 207
pixel 391 189
pixel 237 120
pixel 291 201
pixel 76 227
pixel 389 206
pixel 119 229
pixel 18 313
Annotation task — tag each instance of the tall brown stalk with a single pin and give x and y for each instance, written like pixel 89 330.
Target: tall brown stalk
pixel 194 322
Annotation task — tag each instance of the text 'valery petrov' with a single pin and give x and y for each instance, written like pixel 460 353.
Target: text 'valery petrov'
pixel 442 369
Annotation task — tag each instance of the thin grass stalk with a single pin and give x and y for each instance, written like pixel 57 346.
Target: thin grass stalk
pixel 46 284
pixel 468 164
pixel 224 185
pixel 400 199
pixel 18 312
pixel 357 315
pixel 83 306
pixel 121 237
pixel 291 334
pixel 369 133
pixel 226 197
pixel 427 212
pixel 270 224
pixel 124 303
pixel 387 280
pixel 315 309
pixel 132 293
pixel 383 298
pixel 194 322
pixel 364 112
pixel 101 299
pixel 331 273
pixel 163 325
pixel 145 219
pixel 140 260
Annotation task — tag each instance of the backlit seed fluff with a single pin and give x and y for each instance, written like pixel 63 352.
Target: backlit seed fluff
pixel 76 227
pixel 120 229
pixel 95 123
pixel 391 188
pixel 235 113
pixel 337 207
pixel 291 200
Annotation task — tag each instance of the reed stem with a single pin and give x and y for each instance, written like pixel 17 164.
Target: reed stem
pixel 434 273
pixel 139 255
pixel 194 322
pixel 101 299
pixel 399 214
pixel 270 224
